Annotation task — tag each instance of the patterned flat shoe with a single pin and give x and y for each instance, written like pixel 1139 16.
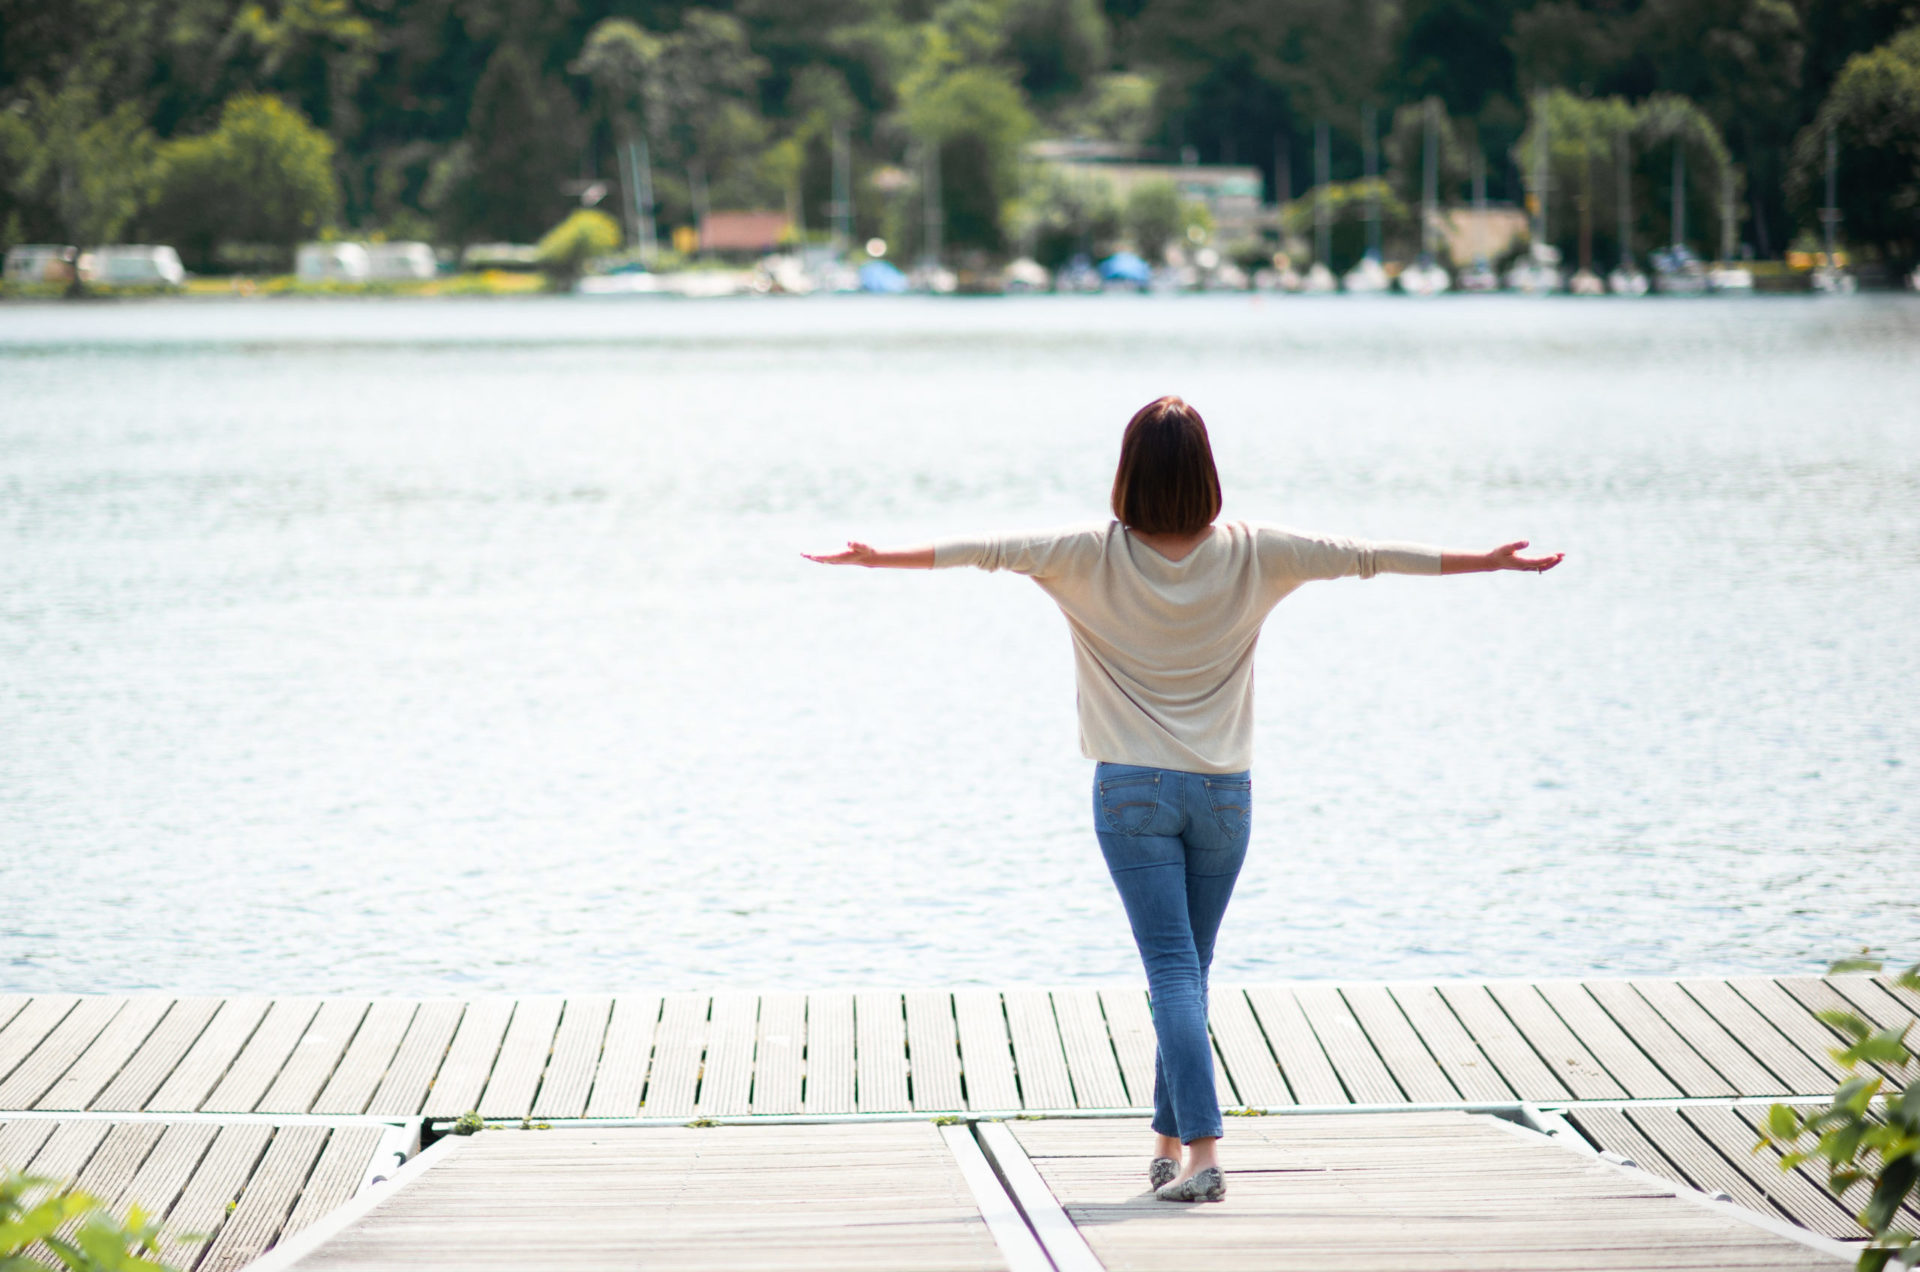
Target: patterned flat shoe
pixel 1205 1185
pixel 1160 1172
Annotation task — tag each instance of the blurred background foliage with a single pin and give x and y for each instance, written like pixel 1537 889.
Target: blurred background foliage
pixel 267 121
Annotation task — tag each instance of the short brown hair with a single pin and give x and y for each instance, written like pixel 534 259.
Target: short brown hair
pixel 1166 482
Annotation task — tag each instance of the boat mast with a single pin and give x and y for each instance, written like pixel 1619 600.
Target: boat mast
pixel 1540 168
pixel 842 187
pixel 1679 195
pixel 1371 155
pixel 1479 205
pixel 1830 215
pixel 1430 185
pixel 1624 198
pixel 1322 165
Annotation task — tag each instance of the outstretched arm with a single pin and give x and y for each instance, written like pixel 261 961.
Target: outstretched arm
pixel 876 558
pixel 1505 557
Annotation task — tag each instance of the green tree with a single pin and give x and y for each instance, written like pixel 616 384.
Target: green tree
pixel 976 121
pixel 1874 111
pixel 71 170
pixel 1062 215
pixel 503 178
pixel 1059 46
pixel 1154 218
pixel 1584 137
pixel 263 176
pixel 622 61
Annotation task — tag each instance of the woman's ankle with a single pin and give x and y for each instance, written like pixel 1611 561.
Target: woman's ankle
pixel 1202 1153
pixel 1166 1146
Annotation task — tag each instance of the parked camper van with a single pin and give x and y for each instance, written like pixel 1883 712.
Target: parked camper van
pixel 41 263
pixel 400 261
pixel 331 263
pixel 133 265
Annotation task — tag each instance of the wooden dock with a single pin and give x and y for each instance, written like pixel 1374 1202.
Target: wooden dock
pixel 272 1102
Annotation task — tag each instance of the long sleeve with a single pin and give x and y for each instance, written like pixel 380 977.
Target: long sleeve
pixel 1039 555
pixel 1290 554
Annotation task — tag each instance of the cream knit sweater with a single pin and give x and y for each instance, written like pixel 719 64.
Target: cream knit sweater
pixel 1163 650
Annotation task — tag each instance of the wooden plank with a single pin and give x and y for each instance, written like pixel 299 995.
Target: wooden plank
pixel 1249 1061
pixel 779 1068
pixel 463 1074
pixel 336 1176
pixel 933 1052
pixel 625 1057
pixel 314 1058
pixel 364 1065
pixel 1039 1059
pixel 1571 1062
pixel 1873 1001
pixel 1784 1012
pixel 255 1061
pixel 1503 1044
pixel 266 1201
pixel 1657 1039
pixel 1398 1045
pixel 118 1160
pixel 157 1184
pixel 1811 1207
pixel 11 1005
pixel 1608 1043
pixel 1130 1025
pixel 1698 1160
pixel 1354 1059
pixel 830 1043
pixel 63 1044
pixel 163 1051
pixel 726 1079
pixel 107 1055
pixel 19 1141
pixel 523 1058
pixel 1610 1131
pixel 1768 1045
pixel 986 1057
pixel 880 1052
pixel 404 1089
pixel 1715 1045
pixel 1465 1065
pixel 1899 993
pixel 66 1151
pixel 866 1197
pixel 576 1053
pixel 677 1049
pixel 215 1185
pixel 30 1026
pixel 1303 1061
pixel 211 1059
pixel 1813 1179
pixel 1091 1064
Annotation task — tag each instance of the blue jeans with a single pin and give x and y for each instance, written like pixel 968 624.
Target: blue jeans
pixel 1174 843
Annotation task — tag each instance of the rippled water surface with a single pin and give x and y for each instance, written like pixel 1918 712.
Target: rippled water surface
pixel 447 647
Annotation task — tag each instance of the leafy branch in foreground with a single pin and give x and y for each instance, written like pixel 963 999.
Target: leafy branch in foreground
pixel 1870 1132
pixel 34 1214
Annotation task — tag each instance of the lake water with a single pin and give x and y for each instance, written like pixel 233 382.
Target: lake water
pixel 463 646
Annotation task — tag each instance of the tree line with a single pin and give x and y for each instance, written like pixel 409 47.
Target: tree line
pixel 229 126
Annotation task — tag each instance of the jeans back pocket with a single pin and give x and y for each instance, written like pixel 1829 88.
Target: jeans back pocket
pixel 1232 802
pixel 1129 801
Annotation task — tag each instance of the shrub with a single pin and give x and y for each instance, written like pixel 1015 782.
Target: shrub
pixel 568 246
pixel 1862 1144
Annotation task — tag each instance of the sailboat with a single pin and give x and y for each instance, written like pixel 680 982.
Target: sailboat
pixel 1370 276
pixel 1426 277
pixel 1727 275
pixel 1538 272
pixel 1677 271
pixel 1318 277
pixel 1830 277
pixel 1627 279
pixel 1479 276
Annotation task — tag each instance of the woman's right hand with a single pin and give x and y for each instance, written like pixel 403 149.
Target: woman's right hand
pixel 853 554
pixel 876 558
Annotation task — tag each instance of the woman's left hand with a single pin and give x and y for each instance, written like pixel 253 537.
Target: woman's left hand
pixel 1507 557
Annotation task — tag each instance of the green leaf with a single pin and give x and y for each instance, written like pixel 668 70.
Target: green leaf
pixel 1857 963
pixel 1846 1022
pixel 1783 1122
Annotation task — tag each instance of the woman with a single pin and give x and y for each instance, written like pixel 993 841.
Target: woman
pixel 1165 606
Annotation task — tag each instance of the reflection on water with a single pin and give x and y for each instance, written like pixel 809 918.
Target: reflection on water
pixel 456 646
